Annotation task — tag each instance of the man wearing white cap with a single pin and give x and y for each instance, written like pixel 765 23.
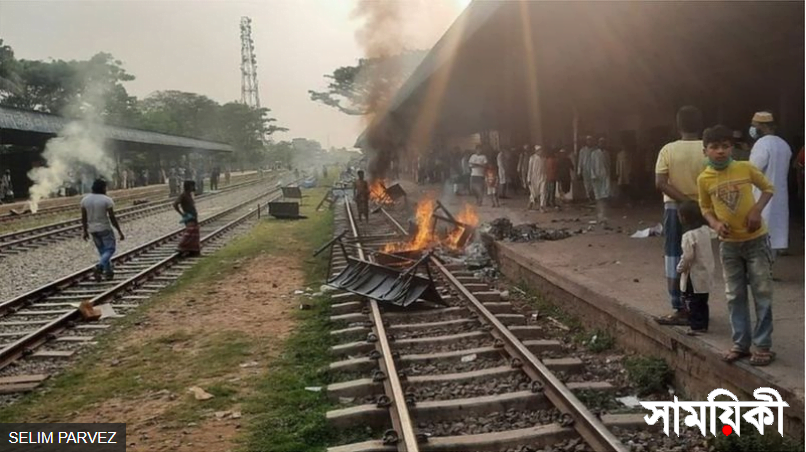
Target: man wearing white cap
pixel 772 155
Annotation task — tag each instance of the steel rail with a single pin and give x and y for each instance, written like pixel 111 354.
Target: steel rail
pixel 68 280
pixel 17 238
pixel 65 207
pixel 399 411
pixel 589 427
pixel 38 337
pixel 156 189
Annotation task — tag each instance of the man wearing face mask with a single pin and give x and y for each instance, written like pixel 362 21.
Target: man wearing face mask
pixel 771 155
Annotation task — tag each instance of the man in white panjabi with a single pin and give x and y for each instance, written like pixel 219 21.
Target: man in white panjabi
pixel 771 154
pixel 584 166
pixel 537 179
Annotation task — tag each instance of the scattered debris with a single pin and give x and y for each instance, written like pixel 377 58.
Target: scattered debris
pixel 88 311
pixel 558 324
pixel 346 400
pixel 502 229
pixel 199 393
pixel 648 232
pixel 304 307
pixel 505 295
pixel 313 388
pixel 629 401
pixel 298 292
pixel 469 358
pixel 324 288
pixel 249 364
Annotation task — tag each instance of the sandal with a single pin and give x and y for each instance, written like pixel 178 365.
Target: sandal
pixel 735 355
pixel 678 318
pixel 762 358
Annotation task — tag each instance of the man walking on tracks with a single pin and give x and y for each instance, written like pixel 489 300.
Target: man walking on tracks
pixel 362 197
pixel 97 220
pixel 190 244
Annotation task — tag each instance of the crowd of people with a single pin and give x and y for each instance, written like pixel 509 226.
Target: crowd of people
pixel 714 185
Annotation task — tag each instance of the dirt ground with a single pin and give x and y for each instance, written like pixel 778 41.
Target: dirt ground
pixel 255 300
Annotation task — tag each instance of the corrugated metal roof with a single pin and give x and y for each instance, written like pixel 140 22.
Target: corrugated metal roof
pixel 38 122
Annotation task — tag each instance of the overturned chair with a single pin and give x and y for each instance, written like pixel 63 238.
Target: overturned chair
pixel 400 285
pixel 391 196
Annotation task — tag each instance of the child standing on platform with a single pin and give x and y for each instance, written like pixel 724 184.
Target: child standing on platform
pixel 491 177
pixel 727 202
pixel 696 265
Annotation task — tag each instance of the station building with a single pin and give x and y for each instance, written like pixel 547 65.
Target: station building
pixel 24 134
pixel 512 73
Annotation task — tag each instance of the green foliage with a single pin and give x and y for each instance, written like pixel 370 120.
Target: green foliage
pixel 366 87
pixel 648 374
pixel 752 441
pixel 71 88
pixel 597 341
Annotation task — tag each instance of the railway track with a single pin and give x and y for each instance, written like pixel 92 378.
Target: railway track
pixel 72 205
pixel 44 324
pixel 472 376
pixel 21 241
pixel 158 190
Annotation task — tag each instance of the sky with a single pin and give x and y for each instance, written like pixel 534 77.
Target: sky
pixel 194 46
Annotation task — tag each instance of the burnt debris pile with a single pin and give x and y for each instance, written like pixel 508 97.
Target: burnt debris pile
pixel 503 229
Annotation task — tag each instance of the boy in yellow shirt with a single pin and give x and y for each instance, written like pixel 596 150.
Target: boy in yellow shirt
pixel 727 203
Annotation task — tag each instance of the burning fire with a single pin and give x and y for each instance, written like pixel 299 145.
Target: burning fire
pixel 467 216
pixel 427 235
pixel 424 237
pixel 377 192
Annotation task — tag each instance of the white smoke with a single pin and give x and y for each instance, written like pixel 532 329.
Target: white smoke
pixel 77 150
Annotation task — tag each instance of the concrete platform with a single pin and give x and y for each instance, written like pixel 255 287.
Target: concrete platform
pixel 615 282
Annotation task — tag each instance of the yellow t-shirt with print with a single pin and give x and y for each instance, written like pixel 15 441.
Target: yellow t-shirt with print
pixel 728 194
pixel 683 161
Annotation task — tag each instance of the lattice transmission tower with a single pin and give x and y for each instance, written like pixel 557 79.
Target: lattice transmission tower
pixel 250 94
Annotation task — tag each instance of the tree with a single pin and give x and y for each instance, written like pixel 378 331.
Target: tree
pixel 246 129
pixel 194 115
pixel 10 82
pixel 69 88
pixel 367 87
pixel 180 113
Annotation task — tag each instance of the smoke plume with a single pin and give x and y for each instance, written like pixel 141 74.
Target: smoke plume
pixel 77 150
pixel 391 28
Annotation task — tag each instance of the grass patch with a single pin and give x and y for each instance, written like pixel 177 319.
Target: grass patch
pixel 752 441
pixel 597 341
pixel 648 374
pixel 546 308
pixel 162 362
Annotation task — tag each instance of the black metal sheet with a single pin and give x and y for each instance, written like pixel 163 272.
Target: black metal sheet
pixel 284 210
pixel 384 284
pixel 292 192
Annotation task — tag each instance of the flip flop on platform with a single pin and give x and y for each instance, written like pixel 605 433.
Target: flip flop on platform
pixel 735 355
pixel 762 358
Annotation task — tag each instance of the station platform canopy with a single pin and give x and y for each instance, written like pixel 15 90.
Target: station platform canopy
pixel 535 68
pixel 33 128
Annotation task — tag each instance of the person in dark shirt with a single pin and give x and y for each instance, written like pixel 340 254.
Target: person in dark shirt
pixel 565 171
pixel 190 245
pixel 362 197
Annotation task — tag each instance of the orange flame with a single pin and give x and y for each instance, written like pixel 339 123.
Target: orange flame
pixel 426 236
pixel 468 217
pixel 377 192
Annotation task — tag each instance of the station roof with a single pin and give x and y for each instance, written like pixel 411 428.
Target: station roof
pixel 34 122
pixel 596 55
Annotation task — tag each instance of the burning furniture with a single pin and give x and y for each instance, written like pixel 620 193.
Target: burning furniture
pixel 386 196
pixel 400 285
